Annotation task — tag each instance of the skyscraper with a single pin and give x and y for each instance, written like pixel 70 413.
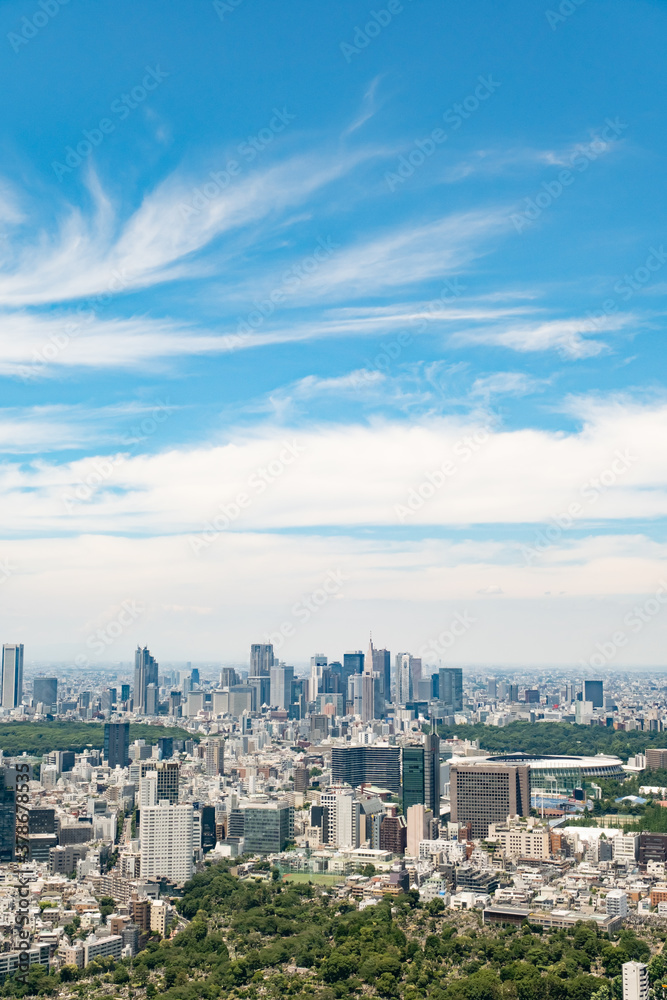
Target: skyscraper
pixel 413 776
pixel 593 692
pixel 8 816
pixel 451 688
pixel 382 664
pixel 145 673
pixel 12 675
pixel 45 691
pixel 117 744
pixel 353 663
pixel 488 793
pixel 261 659
pixel 432 773
pixel 318 664
pixel 281 686
pixel 167 841
pixel 403 678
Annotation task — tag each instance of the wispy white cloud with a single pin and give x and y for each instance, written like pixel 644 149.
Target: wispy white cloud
pixel 90 254
pixel 369 108
pixel 506 384
pixel 566 336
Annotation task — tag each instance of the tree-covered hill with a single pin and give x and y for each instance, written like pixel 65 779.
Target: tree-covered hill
pixel 36 738
pixel 555 738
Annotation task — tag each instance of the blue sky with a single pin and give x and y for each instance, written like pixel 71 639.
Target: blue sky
pixel 406 258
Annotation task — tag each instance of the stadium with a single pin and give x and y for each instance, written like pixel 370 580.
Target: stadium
pixel 554 773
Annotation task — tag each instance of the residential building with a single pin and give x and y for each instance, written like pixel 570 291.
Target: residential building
pixel 617 903
pixel 341 817
pixel 625 847
pixel 393 834
pixel 635 981
pixel 419 826
pixel 167 842
pixel 110 946
pixel 215 756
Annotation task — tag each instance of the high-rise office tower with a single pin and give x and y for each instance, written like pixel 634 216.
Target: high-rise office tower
pixel 45 692
pixel 492 689
pixel 353 663
pixel 488 793
pixel 355 693
pixel 194 677
pixel 117 744
pixel 208 829
pixel 215 756
pixel 12 675
pixel 382 666
pixel 593 691
pixel 376 764
pixel 261 692
pixel 451 688
pixel 7 817
pixel 267 826
pixel 165 745
pixel 152 699
pixel 416 674
pixel 369 658
pixel 403 678
pixel 168 772
pixel 229 677
pixel 413 776
pixel 167 842
pixel 432 773
pixel 281 686
pixel 318 665
pixel 261 659
pixel 125 692
pixel 145 673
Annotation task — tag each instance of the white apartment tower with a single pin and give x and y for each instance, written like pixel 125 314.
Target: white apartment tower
pixel 341 816
pixel 215 756
pixel 167 841
pixel 635 981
